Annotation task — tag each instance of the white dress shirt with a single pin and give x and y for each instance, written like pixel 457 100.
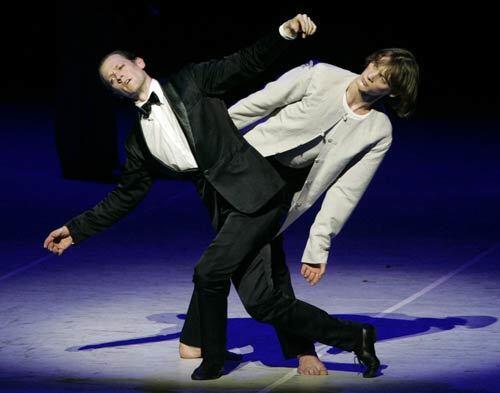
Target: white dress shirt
pixel 164 135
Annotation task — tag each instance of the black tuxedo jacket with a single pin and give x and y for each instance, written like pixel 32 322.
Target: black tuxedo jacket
pixel 234 169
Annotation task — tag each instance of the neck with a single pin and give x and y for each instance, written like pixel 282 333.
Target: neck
pixel 143 93
pixel 358 101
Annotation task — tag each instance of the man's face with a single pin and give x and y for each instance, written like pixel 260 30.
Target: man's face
pixel 126 77
pixel 372 80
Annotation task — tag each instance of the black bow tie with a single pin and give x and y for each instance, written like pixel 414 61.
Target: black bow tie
pixel 145 110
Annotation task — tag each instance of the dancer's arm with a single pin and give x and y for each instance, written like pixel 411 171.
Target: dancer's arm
pixel 340 201
pixel 134 184
pixel 216 77
pixel 289 89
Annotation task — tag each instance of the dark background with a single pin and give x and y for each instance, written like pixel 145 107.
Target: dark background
pixel 46 44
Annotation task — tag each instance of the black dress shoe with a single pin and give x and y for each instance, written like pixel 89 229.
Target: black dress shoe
pixel 365 351
pixel 233 357
pixel 207 370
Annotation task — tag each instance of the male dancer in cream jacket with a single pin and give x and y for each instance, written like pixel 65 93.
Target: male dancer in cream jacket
pixel 329 119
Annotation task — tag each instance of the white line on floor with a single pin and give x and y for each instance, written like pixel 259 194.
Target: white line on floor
pixel 322 349
pixel 40 260
pixel 25 267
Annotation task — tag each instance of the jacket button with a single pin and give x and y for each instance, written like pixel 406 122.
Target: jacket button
pixel 298 204
pixel 206 172
pixel 317 160
pixel 307 183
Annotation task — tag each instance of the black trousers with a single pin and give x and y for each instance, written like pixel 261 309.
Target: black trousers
pixel 262 280
pixel 238 241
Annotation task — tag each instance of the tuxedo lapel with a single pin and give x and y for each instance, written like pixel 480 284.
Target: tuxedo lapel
pixel 180 111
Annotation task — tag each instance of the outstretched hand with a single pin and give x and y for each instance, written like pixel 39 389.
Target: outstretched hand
pixel 313 272
pixel 300 24
pixel 58 240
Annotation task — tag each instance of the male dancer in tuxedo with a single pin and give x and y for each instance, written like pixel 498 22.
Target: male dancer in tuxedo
pixel 326 133
pixel 184 131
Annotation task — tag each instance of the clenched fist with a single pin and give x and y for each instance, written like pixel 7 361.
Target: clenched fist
pixel 313 272
pixel 300 24
pixel 58 240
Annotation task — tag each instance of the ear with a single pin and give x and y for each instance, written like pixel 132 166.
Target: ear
pixel 139 61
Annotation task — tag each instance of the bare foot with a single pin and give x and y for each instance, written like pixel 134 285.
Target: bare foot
pixel 187 352
pixel 311 365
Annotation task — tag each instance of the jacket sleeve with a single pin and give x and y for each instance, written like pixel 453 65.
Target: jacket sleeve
pixel 134 184
pixel 340 200
pixel 216 77
pixel 289 88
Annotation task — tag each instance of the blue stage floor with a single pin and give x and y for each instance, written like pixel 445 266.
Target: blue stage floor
pixel 419 259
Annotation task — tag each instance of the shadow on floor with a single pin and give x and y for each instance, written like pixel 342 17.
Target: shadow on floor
pixel 266 349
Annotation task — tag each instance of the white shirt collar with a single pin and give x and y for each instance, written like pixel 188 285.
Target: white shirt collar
pixel 154 86
pixel 348 109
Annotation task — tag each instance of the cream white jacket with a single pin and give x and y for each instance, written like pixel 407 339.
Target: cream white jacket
pixel 303 104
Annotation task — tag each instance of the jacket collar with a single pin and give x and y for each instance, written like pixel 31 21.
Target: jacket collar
pixel 180 111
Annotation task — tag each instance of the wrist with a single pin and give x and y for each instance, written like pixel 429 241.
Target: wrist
pixel 286 32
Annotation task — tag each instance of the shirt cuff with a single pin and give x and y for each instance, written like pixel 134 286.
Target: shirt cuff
pixel 284 35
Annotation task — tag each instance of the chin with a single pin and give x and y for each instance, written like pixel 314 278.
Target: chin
pixel 361 86
pixel 133 96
